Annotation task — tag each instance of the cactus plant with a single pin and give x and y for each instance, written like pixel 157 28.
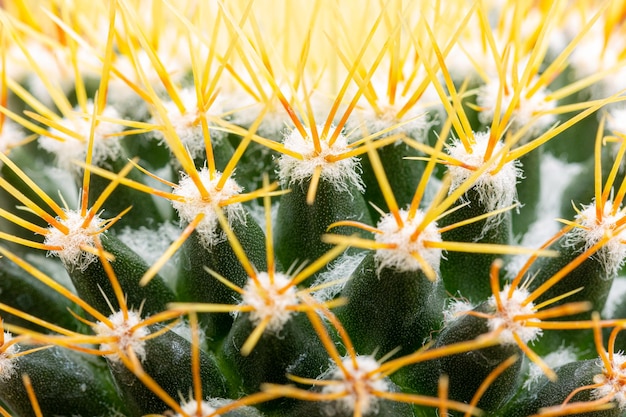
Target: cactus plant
pixel 312 208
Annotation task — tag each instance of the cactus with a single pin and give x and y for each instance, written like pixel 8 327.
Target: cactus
pixel 312 208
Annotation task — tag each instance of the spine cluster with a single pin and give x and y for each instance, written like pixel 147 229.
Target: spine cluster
pixel 250 208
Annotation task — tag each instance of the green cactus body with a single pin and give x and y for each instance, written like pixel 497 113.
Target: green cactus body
pixel 196 285
pixel 67 383
pixel 591 281
pixel 335 408
pixel 403 180
pixel 294 349
pixel 164 356
pixel 93 285
pixel 550 394
pixel 493 191
pixel 424 377
pixel 301 225
pixel 23 292
pixel 528 191
pixel 312 208
pixel 144 211
pixel 379 298
pixel 461 271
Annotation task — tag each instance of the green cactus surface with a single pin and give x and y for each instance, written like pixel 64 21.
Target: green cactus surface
pixel 312 208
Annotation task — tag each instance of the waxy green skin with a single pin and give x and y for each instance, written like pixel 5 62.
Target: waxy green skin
pixel 65 383
pixel 297 236
pixel 528 192
pixel 93 284
pixel 384 309
pixel 23 157
pixel 590 278
pixel 378 408
pixel 403 177
pixel 23 292
pixel 165 357
pixel 376 302
pixel 295 350
pixel 466 371
pixel 195 284
pixel 467 274
pixel 545 393
pixel 143 209
pixel 387 309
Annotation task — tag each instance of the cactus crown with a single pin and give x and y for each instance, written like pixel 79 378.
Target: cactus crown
pixel 312 208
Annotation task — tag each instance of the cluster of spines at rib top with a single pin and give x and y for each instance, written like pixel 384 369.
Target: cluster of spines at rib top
pixel 312 208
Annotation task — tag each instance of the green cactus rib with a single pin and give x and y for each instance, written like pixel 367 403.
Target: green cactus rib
pixel 312 208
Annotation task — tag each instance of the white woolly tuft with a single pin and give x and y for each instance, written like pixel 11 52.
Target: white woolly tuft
pixel 614 385
pixel 341 174
pixel 356 384
pixel 462 67
pixel 7 360
pixel 272 127
pixel 245 110
pixel 594 54
pixel 56 64
pixel 366 122
pixel 11 135
pixel 126 336
pixel 368 119
pixel 526 109
pixel 612 255
pixel 616 121
pixel 187 126
pixel 71 253
pixel 184 330
pixel 400 257
pixel 125 99
pixel 341 268
pixel 268 301
pixel 105 144
pixel 506 319
pixel 207 407
pixel 150 244
pixel 616 295
pixel 194 204
pixel 17 66
pixel 456 307
pixel 190 409
pixel 175 59
pixel 495 191
pixel 553 360
pixel 555 176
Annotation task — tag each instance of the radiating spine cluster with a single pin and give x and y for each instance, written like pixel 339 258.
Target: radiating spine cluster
pixel 351 186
